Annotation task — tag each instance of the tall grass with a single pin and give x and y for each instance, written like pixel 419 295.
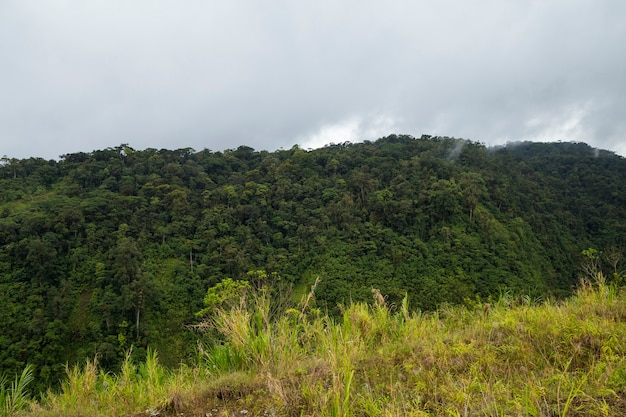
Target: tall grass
pixel 509 358
pixel 138 388
pixel 13 396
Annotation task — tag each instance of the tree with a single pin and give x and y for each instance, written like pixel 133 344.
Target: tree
pixel 225 295
pixel 473 188
pixel 591 265
pixel 443 197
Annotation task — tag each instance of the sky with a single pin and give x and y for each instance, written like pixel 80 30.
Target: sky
pixel 77 76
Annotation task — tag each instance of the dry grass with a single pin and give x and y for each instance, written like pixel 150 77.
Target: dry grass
pixel 509 358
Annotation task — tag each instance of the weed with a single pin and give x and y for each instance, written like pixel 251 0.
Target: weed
pixel 517 357
pixel 13 396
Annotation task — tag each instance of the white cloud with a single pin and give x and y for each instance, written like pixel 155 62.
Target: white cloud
pixel 354 129
pixel 568 124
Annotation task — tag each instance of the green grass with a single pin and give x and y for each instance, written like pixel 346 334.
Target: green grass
pixel 14 396
pixel 513 357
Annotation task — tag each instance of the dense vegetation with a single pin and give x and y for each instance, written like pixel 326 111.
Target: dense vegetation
pixel 116 248
pixel 512 357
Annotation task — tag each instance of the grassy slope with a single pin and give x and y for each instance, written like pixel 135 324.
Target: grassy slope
pixel 511 357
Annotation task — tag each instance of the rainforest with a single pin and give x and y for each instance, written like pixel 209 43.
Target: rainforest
pixel 118 253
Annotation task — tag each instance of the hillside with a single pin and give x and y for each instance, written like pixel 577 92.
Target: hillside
pixel 118 247
pixel 513 357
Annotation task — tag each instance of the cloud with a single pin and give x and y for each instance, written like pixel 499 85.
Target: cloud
pixel 78 75
pixel 354 129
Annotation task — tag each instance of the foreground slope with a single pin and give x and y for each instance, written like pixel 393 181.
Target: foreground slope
pixel 515 357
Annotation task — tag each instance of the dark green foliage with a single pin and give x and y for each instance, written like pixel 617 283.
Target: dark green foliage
pixel 117 247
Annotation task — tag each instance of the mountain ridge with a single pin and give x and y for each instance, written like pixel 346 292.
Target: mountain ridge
pixel 118 247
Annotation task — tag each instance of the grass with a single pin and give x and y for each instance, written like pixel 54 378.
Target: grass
pixel 514 357
pixel 14 396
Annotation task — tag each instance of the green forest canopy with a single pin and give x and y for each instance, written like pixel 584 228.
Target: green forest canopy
pixel 117 247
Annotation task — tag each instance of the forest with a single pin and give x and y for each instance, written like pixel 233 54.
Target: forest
pixel 104 250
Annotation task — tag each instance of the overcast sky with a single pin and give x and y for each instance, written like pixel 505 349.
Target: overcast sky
pixel 80 75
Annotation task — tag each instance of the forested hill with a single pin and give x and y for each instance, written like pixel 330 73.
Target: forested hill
pixel 117 247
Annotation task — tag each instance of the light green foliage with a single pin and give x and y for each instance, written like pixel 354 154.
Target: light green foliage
pixel 507 357
pixel 89 391
pixel 14 396
pixel 224 295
